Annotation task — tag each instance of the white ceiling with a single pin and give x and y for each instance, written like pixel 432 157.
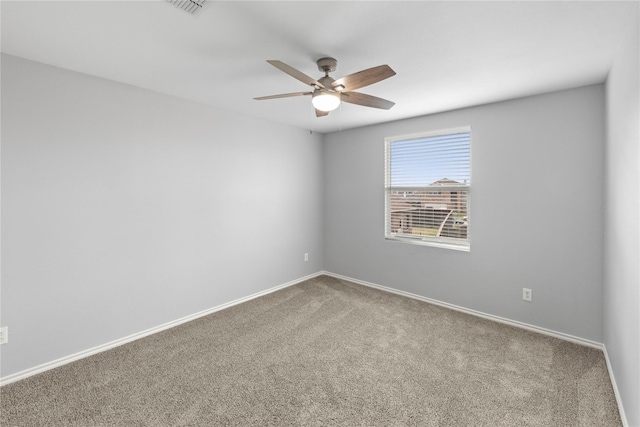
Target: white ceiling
pixel 447 55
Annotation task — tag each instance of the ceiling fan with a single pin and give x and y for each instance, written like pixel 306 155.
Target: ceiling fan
pixel 328 92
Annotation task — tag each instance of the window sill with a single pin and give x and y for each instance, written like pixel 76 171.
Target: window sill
pixel 436 244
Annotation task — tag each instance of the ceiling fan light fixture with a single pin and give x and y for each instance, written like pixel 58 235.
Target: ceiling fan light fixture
pixel 328 93
pixel 325 101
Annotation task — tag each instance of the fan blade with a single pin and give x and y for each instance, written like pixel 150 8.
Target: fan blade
pixel 366 100
pixel 364 78
pixel 295 73
pixel 283 95
pixel 320 113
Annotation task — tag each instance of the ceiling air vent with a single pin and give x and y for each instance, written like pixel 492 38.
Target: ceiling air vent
pixel 191 6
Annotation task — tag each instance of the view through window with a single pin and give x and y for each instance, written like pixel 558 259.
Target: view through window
pixel 427 188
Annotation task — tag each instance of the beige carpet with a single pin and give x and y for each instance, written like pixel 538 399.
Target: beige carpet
pixel 322 353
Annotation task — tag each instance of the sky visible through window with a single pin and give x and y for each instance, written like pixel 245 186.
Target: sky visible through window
pixel 426 160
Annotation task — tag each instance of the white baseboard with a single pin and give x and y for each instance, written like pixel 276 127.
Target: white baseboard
pixel 499 319
pixel 104 347
pixel 623 416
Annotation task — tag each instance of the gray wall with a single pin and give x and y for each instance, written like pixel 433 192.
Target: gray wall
pixel 123 209
pixel 536 212
pixel 622 233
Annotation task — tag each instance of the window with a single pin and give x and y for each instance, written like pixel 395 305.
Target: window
pixel 427 188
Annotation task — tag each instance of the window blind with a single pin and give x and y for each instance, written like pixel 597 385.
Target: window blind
pixel 427 188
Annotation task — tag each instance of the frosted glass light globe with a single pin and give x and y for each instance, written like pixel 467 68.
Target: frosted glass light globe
pixel 325 101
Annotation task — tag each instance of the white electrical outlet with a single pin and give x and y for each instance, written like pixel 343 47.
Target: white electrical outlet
pixel 4 335
pixel 526 294
pixel 306 257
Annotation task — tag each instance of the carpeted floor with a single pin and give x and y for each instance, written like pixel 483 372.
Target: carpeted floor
pixel 326 353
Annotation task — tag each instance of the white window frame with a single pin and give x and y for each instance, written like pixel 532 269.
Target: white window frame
pixel 441 242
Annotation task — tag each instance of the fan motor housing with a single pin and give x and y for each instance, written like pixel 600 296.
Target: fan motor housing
pixel 327 82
